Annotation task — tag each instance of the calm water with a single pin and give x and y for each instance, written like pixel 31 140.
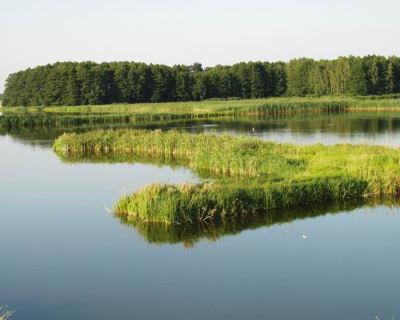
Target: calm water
pixel 63 255
pixel 357 128
pixel 363 128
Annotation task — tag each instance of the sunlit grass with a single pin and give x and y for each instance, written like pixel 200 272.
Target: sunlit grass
pixel 283 105
pixel 249 175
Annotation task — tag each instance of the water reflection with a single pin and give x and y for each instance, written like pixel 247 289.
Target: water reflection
pixel 57 241
pixel 190 234
pixel 329 128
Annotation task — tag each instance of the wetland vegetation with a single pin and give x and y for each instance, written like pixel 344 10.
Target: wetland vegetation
pixel 139 183
pixel 209 108
pixel 249 175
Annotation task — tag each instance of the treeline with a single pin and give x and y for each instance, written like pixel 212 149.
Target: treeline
pixel 71 83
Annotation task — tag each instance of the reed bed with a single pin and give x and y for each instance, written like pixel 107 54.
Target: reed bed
pixel 250 176
pixel 282 105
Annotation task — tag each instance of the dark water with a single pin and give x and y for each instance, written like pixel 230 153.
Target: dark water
pixel 63 255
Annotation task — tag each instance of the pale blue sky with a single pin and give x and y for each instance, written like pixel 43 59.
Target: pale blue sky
pixel 34 32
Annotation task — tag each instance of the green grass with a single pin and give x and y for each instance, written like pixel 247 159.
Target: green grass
pixel 282 105
pixel 249 176
pixel 218 107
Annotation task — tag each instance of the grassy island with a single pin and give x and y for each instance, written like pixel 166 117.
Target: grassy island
pixel 248 175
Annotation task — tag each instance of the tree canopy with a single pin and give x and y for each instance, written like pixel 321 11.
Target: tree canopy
pixel 73 83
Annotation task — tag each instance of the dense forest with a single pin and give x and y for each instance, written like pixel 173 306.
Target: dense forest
pixel 71 83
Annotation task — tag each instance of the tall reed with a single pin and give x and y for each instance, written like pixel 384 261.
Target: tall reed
pixel 252 175
pixel 282 105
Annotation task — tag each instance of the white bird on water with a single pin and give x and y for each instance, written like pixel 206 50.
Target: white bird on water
pixel 304 236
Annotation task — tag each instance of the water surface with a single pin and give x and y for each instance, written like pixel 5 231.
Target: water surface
pixel 63 255
pixel 355 128
pixel 377 128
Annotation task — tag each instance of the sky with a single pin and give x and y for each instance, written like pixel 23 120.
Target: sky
pixel 37 32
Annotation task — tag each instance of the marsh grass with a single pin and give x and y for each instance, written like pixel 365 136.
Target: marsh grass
pixel 251 175
pixel 281 105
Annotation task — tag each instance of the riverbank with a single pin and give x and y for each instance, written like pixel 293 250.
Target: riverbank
pixel 281 105
pixel 249 175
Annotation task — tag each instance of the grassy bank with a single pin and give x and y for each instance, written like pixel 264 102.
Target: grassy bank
pixel 250 176
pixel 281 105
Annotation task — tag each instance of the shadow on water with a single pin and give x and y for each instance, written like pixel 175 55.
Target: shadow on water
pixel 190 234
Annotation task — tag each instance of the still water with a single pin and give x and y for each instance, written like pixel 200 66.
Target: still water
pixel 354 128
pixel 63 255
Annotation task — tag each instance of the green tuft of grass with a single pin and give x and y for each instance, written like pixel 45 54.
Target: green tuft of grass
pixel 188 203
